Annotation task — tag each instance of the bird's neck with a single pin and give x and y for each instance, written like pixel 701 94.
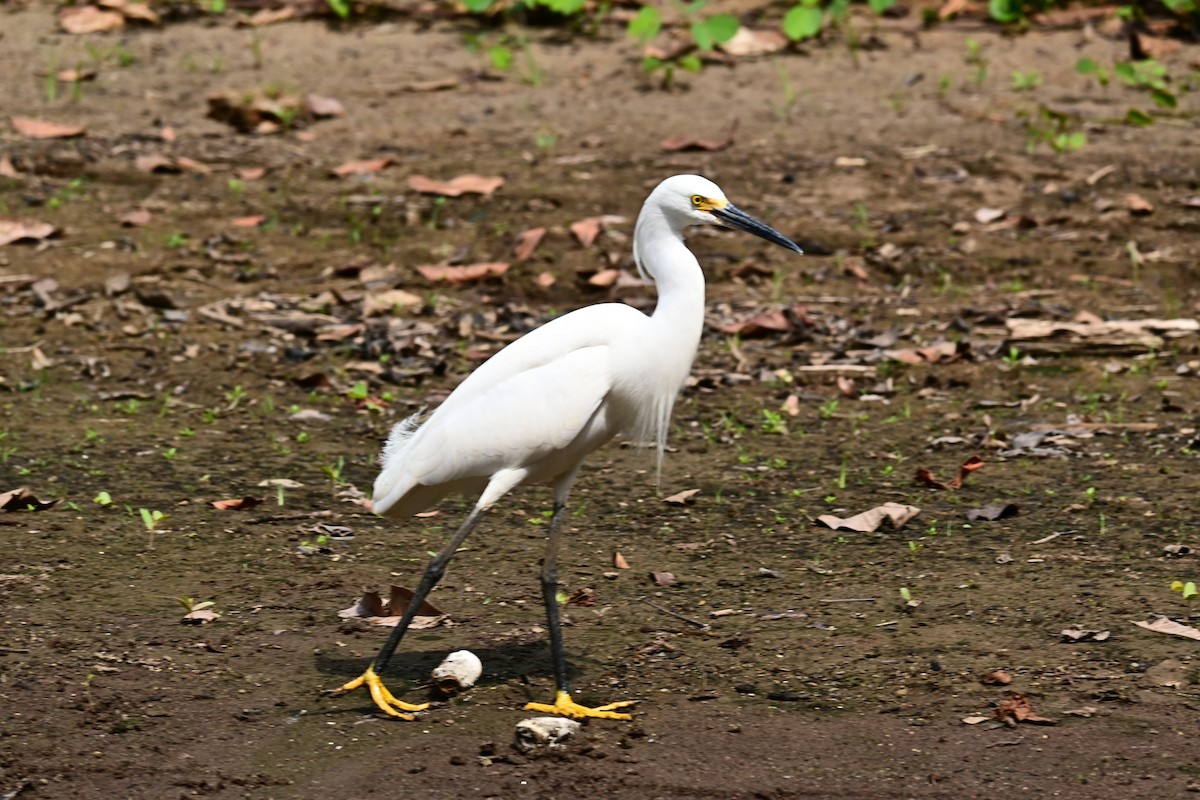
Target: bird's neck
pixel 679 313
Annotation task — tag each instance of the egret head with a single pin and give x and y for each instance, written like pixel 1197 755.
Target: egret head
pixel 684 200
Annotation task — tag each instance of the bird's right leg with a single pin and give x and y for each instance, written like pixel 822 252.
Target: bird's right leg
pixel 433 573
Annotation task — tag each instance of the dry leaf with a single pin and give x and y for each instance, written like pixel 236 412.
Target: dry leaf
pixel 40 129
pixel 1138 205
pixel 270 16
pixel 364 167
pixel 585 231
pixel 23 500
pixel 619 561
pixel 386 302
pixel 527 242
pixel 439 85
pixel 1016 708
pixel 604 278
pixel 16 230
pixel 991 513
pixel 951 8
pixel 1171 627
pixel 192 165
pixel 681 498
pixel 201 616
pixel 870 521
pixel 684 142
pixel 996 677
pixel 252 221
pixel 582 597
pixel 7 170
pixel 766 323
pixel 471 272
pixel 985 215
pixel 925 477
pixel 545 280
pixel 250 173
pixel 155 162
pixel 1081 635
pixel 236 504
pixel 463 184
pixel 320 106
pixel 129 10
pixel 89 19
pixel 75 75
pixel 373 609
pixel 748 43
pixel 662 578
pixel 136 218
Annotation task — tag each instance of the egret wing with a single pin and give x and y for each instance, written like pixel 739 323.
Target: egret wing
pixel 535 415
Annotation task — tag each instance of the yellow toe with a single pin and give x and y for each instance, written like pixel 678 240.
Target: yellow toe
pixel 564 706
pixel 384 699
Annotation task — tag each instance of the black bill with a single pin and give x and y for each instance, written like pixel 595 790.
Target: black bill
pixel 734 217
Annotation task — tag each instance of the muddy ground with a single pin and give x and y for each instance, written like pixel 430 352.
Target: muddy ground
pixel 239 354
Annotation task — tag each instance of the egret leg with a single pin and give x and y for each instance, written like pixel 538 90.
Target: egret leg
pixel 433 573
pixel 563 704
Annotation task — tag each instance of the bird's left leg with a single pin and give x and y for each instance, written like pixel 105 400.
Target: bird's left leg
pixel 563 704
pixel 433 573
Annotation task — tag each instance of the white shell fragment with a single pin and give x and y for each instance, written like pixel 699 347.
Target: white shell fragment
pixel 458 671
pixel 544 732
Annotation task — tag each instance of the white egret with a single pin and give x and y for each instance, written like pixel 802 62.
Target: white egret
pixel 536 409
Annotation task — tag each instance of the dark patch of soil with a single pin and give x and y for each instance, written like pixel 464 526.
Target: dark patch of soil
pixel 815 678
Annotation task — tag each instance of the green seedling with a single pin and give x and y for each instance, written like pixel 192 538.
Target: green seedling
pixel 1025 81
pixel 152 519
pixel 335 470
pixel 191 604
pixel 103 499
pixel 773 422
pixel 706 31
pixel 828 408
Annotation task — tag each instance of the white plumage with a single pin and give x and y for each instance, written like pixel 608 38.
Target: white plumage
pixel 536 409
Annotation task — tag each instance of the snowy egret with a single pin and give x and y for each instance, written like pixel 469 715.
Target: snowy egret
pixel 536 409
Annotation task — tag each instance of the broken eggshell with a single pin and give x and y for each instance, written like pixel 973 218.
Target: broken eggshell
pixel 544 732
pixel 458 671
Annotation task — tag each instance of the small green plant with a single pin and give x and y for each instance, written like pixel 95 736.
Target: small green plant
pixel 773 422
pixel 1025 81
pixel 103 499
pixel 152 519
pixel 1013 357
pixel 335 471
pixel 1058 129
pixel 706 31
pixel 828 408
pixel 341 8
pixel 170 453
pixel 841 479
pixel 1088 66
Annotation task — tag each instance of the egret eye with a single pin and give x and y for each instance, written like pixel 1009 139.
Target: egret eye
pixel 698 201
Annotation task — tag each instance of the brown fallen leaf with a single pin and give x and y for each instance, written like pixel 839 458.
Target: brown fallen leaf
pixel 662 578
pixel 455 187
pixel 991 513
pixel 269 16
pixel 1171 627
pixel 1082 635
pixel 75 75
pixel 681 498
pixel 364 167
pixel 192 165
pixel 373 609
pixel 133 9
pixel 465 274
pixel 586 231
pixel 201 616
pixel 250 173
pixel 321 107
pixel 1017 708
pixel 17 230
pixel 996 677
pixel 155 162
pixel 684 142
pixel 41 129
pixel 438 85
pixel 950 8
pixel 766 323
pixel 23 500
pixel 940 353
pixel 251 221
pixel 619 561
pixel 1138 205
pixel 924 476
pixel 582 597
pixel 749 43
pixel 527 242
pixel 135 218
pixel 386 302
pixel 870 521
pixel 545 279
pixel 7 170
pixel 236 504
pixel 89 19
pixel 604 278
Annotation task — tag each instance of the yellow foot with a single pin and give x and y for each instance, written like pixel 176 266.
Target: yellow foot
pixel 565 706
pixel 380 694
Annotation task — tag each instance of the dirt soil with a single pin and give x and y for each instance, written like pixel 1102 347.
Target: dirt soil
pixel 193 355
